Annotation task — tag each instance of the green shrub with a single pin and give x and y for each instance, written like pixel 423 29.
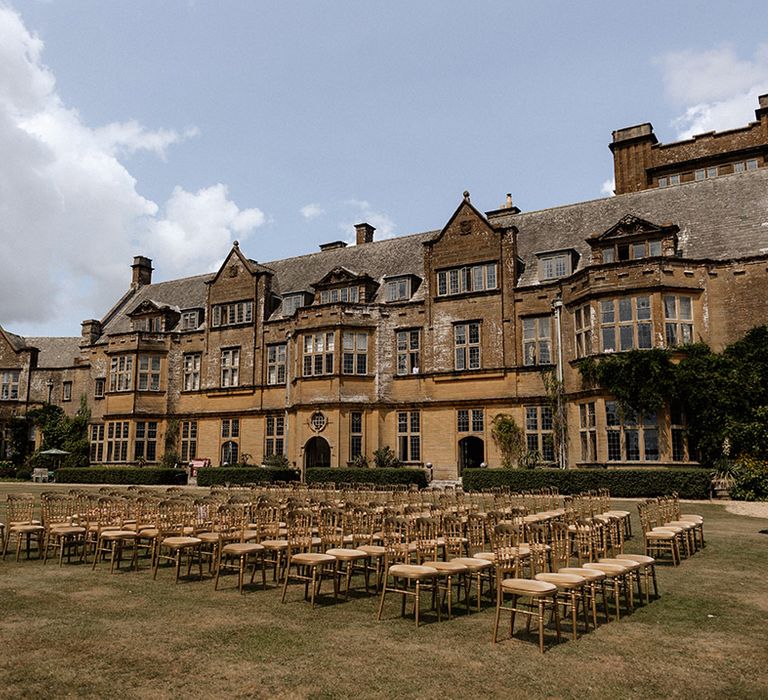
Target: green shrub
pixel 7 470
pixel 623 483
pixel 750 480
pixel 382 476
pixel 219 476
pixel 277 462
pixel 385 458
pixel 121 475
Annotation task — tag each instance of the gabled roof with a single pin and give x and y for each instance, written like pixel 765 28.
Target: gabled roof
pixel 465 205
pixel 632 227
pixel 16 342
pixel 148 306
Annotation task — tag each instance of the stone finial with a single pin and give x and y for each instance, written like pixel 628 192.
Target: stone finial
pixel 466 195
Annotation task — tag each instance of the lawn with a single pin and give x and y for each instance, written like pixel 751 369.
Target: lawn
pixel 75 632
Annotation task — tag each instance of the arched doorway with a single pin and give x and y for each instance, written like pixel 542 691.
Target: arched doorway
pixel 317 453
pixel 471 453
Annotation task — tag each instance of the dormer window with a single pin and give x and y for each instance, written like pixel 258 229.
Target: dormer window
pixel 399 289
pixel 190 320
pixel 291 302
pixel 632 238
pixel 463 280
pixel 555 264
pixel 148 324
pixel 344 295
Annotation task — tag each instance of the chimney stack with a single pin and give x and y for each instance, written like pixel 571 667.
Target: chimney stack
pixel 91 331
pixel 364 233
pixel 142 272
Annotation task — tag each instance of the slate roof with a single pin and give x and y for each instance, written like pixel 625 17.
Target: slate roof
pixel 55 352
pixel 720 218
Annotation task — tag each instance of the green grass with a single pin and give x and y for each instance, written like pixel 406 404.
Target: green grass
pixel 75 632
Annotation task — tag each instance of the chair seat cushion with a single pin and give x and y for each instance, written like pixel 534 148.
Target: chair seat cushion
pixel 240 548
pixel 447 567
pixel 118 535
pixel 474 563
pixel 373 550
pixel 275 544
pixel 347 554
pixel 312 558
pixel 527 586
pixel 610 570
pixel 589 574
pixel 412 571
pixel 628 563
pixel 180 541
pixel 639 558
pixel 562 580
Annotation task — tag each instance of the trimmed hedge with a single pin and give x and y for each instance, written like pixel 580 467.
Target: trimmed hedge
pixel 121 475
pixel 379 476
pixel 622 483
pixel 218 476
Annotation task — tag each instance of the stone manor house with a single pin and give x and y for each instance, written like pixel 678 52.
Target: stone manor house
pixel 418 342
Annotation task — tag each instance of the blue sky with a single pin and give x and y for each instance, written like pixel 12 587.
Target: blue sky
pixel 170 129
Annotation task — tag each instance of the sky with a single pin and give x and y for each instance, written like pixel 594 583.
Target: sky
pixel 171 129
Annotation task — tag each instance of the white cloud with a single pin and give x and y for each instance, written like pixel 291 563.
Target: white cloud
pixel 608 187
pixel 364 212
pixel 69 209
pixel 717 88
pixel 311 211
pixel 195 224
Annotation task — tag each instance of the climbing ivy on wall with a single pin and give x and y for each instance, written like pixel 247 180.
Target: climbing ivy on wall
pixel 724 395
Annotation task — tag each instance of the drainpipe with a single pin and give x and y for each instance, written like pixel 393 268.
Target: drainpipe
pixel 557 307
pixel 286 429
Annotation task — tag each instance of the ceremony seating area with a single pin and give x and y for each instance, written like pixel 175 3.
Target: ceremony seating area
pixel 557 561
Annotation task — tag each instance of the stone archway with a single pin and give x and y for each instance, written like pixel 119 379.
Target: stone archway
pixel 317 453
pixel 471 453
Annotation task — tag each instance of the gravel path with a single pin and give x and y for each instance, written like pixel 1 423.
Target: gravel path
pixel 754 510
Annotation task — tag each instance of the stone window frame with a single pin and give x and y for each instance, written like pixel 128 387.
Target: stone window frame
pixel 467 345
pixel 145 441
pixel 121 373
pixel 537 340
pixel 354 352
pixel 617 322
pixel 233 313
pixel 276 364
pixel 117 441
pixel 588 431
pixel 408 352
pixel 9 386
pixel 230 367
pixel 188 440
pixel 468 279
pixel 356 428
pixel 630 438
pixel 539 431
pixel 274 434
pixel 318 350
pixel 192 363
pixel 582 328
pixel 678 319
pixel 149 372
pixel 409 436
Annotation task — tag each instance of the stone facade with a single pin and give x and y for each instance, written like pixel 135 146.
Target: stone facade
pixel 416 342
pixel 641 162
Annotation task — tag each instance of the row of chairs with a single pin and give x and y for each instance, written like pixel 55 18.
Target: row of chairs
pixel 667 531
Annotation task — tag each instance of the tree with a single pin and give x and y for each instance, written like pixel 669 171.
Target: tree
pixel 508 437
